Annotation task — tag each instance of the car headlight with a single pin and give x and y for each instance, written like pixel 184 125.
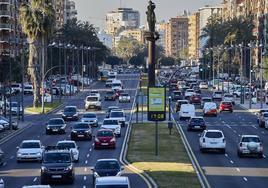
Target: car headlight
pixel 96 174
pixel 43 168
pixel 119 173
pixel 76 114
pixel 112 140
pixel 88 131
pixel 39 153
pixel 62 127
pixel 69 168
pixel 74 131
pixel 19 153
pixel 75 152
pixel 63 115
pixel 94 120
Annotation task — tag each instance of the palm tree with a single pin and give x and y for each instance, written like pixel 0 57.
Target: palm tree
pixel 37 19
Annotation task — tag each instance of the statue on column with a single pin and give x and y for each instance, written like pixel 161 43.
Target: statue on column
pixel 151 16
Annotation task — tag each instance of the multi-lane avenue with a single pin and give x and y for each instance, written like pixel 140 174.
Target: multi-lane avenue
pixel 228 170
pixel 28 173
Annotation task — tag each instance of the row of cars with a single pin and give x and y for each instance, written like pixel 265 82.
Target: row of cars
pixel 213 139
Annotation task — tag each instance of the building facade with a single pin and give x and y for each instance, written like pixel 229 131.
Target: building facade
pixel 161 29
pixel 176 40
pixel 106 39
pixel 193 37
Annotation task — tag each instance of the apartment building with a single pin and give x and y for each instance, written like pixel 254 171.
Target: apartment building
pixel 193 37
pixel 176 36
pixel 10 31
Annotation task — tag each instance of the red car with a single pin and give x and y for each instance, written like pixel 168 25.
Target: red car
pixel 226 106
pixel 105 138
pixel 195 99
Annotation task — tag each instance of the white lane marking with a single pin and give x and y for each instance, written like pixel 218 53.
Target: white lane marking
pixel 85 178
pixel 12 157
pixel 235 131
pixel 263 132
pixel 93 144
pixel 38 136
pixel 229 126
pixel 245 178
pixel 88 155
pixel 5 163
pixel 34 180
pixel 90 149
pixel 226 155
pixel 243 119
pixel 231 161
pixel 238 169
pixel 84 186
pixel 239 135
pixel 264 156
pixel 254 127
pixel 85 169
pixel 86 162
pixel 69 136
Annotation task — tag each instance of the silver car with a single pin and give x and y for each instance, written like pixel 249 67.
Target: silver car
pixel 90 118
pixel 250 145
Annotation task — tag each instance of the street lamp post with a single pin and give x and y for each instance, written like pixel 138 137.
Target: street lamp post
pixel 261 76
pixel 241 74
pixel 250 72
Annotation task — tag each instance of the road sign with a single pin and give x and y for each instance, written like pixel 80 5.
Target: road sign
pixel 156 104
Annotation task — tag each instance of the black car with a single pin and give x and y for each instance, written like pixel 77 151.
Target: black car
pixel 57 166
pixel 56 125
pixel 70 113
pixel 110 108
pixel 196 123
pixel 2 155
pixel 177 95
pixel 110 95
pixel 81 130
pixel 197 89
pixel 106 167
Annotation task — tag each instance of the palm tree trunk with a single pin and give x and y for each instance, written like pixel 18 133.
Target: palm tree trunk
pixel 33 71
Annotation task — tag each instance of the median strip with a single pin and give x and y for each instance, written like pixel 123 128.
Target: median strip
pixel 171 167
pixel 38 110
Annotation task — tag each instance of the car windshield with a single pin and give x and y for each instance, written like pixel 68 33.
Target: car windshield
pixel 81 126
pixel 70 109
pixel 218 93
pixel 117 114
pixel 3 118
pixel 110 122
pixel 214 135
pixel 250 139
pixel 92 98
pixel 107 165
pixel 66 145
pixel 110 93
pixel 124 94
pixel 189 90
pixel 105 133
pixel 116 85
pixel 177 93
pixel 265 115
pixel 57 158
pixel 30 145
pixel 226 103
pixel 14 104
pixel 56 121
pixel 207 100
pixel 197 120
pixel 27 87
pixel 89 115
pixel 228 96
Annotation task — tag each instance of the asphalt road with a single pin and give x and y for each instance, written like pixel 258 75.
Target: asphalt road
pixel 228 170
pixel 16 174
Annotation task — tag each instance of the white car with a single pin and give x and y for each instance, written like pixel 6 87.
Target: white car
pixel 90 118
pixel 71 145
pixel 212 139
pixel 203 85
pixel 93 102
pixel 17 87
pixel 217 95
pixel 250 145
pixel 189 93
pixel 30 150
pixel 229 98
pixel 28 89
pixel 117 85
pixel 124 97
pixel 95 92
pixel 186 111
pixel 15 108
pixel 113 125
pixel 118 115
pixel 2 183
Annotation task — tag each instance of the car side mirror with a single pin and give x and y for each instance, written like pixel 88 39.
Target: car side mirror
pixel 199 135
pixel 42 147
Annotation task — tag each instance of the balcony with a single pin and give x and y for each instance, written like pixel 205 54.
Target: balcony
pixel 5 26
pixel 4 39
pixel 6 2
pixel 5 13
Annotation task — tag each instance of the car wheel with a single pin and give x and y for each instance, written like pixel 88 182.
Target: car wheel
pixel 18 161
pixel 231 111
pixel 119 135
pixel 202 150
pixel 239 154
pixel 47 132
pixel 43 182
pixel 72 138
pixel 223 151
pixel 188 129
pixel 260 155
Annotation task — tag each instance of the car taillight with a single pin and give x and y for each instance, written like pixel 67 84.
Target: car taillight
pixel 204 140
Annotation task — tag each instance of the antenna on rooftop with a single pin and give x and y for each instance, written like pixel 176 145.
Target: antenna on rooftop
pixel 120 3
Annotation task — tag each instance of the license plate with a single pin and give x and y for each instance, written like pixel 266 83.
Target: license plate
pixel 213 142
pixel 198 127
pixel 56 176
pixel 80 135
pixel 104 144
pixel 245 151
pixel 91 106
pixel 55 130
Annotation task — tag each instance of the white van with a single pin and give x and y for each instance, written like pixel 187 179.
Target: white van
pixel 117 85
pixel 112 181
pixel 187 111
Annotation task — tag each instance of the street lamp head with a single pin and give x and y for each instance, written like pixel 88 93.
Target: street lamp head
pixel 69 45
pixel 169 97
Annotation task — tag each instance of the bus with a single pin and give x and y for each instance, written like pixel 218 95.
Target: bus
pixel 104 75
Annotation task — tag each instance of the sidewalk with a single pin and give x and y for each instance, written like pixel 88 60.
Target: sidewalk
pixel 254 106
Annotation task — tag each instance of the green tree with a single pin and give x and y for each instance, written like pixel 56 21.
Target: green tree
pixel 113 60
pixel 37 19
pixel 167 61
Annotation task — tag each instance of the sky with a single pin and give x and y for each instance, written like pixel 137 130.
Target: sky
pixel 94 10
